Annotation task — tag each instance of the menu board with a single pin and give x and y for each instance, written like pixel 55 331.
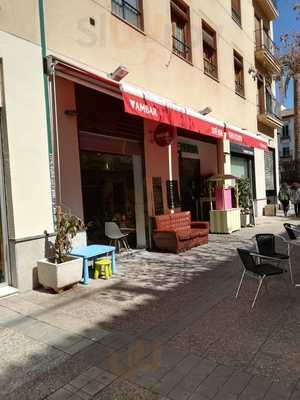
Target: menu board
pixel 158 196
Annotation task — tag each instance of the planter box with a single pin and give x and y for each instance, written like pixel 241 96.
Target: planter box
pixel 58 276
pixel 225 221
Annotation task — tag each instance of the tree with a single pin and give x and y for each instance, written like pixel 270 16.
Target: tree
pixel 290 61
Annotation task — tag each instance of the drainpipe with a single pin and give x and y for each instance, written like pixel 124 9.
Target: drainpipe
pixel 47 105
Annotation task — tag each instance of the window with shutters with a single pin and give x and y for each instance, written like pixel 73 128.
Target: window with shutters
pixel 239 74
pixel 181 34
pixel 210 58
pixel 130 11
pixel 236 11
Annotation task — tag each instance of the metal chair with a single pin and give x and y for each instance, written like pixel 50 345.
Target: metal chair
pixel 266 246
pixel 113 232
pixel 292 231
pixel 257 271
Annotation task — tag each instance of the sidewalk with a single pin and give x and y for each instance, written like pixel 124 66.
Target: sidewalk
pixel 166 327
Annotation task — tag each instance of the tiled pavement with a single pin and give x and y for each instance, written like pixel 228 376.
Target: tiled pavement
pixel 166 327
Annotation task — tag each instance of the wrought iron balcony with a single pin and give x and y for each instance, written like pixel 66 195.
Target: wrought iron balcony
pixel 210 68
pixel 182 49
pixel 269 111
pixel 266 51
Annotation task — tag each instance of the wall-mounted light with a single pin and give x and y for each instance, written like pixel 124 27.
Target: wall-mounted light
pixel 205 111
pixel 71 113
pixel 119 73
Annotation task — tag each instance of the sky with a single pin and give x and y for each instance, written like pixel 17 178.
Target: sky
pixel 286 23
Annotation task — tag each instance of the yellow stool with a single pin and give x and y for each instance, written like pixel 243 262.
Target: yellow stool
pixel 103 268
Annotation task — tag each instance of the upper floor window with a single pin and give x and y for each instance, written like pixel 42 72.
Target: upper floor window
pixel 181 34
pixel 236 11
pixel 285 131
pixel 210 58
pixel 129 10
pixel 239 74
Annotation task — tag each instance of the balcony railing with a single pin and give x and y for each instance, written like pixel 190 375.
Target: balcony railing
pixel 125 10
pixel 239 88
pixel 181 48
pixel 236 15
pixel 263 41
pixel 210 68
pixel 270 106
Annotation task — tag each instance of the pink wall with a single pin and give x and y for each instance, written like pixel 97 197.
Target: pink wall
pixel 157 164
pixel 69 161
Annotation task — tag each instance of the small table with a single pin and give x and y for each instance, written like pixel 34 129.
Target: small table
pixel 92 252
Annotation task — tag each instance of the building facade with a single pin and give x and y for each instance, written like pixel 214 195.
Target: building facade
pixel 198 100
pixel 286 143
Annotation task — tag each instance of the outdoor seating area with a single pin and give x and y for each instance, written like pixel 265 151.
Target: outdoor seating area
pixel 267 261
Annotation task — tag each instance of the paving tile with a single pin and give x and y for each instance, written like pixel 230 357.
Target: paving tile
pixel 295 395
pixel 172 378
pixel 123 390
pixel 93 387
pixel 256 389
pixel 79 382
pixel 212 384
pixel 61 394
pixel 75 348
pixel 236 384
pixel 279 391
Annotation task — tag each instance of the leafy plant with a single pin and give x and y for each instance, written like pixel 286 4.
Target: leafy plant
pixel 67 227
pixel 244 192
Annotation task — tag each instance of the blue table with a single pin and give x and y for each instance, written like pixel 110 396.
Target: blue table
pixel 92 253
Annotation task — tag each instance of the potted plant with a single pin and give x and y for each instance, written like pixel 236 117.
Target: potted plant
pixel 244 192
pixel 62 269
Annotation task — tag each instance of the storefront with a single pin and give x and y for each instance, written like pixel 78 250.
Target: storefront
pixel 126 155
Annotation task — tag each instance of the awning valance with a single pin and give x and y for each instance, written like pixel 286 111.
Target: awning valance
pixel 151 106
pixel 148 105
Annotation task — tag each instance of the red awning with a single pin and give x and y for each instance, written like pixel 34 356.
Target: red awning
pixel 150 106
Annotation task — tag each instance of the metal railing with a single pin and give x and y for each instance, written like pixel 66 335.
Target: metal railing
pixel 263 41
pixel 210 68
pixel 181 48
pixel 272 105
pixel 239 88
pixel 126 11
pixel 236 15
pixel 275 4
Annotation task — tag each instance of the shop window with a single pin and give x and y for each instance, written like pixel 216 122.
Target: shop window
pixel 181 34
pixel 209 37
pixel 239 74
pixel 236 11
pixel 130 11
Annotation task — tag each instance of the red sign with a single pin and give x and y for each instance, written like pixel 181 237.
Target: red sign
pixel 176 117
pixel 164 135
pixel 170 116
pixel 245 140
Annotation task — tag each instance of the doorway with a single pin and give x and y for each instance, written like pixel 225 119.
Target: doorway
pixel 189 170
pixel 112 190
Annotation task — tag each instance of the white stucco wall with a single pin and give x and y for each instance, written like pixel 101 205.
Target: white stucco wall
pixel 26 137
pixel 260 180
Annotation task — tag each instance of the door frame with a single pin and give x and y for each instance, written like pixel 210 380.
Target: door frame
pixel 3 206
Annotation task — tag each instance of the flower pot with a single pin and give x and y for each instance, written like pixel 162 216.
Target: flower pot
pixel 58 276
pixel 245 220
